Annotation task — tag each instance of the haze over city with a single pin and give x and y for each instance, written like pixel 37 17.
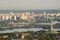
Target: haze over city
pixel 29 19
pixel 29 4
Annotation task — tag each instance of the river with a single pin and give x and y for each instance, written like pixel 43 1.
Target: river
pixel 26 29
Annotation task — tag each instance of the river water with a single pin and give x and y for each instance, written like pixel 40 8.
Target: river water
pixel 26 29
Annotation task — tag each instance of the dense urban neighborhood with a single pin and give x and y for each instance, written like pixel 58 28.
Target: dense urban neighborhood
pixel 26 20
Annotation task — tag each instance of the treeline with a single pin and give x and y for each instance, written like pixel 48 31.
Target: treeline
pixel 30 35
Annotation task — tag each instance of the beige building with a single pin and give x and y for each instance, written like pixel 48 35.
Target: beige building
pixel 26 16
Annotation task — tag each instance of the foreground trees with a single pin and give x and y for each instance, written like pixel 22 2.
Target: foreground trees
pixel 39 35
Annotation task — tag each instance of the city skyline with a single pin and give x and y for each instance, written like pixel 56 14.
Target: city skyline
pixel 29 4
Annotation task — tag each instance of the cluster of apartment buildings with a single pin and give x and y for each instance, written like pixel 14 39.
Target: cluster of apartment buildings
pixel 16 16
pixel 27 16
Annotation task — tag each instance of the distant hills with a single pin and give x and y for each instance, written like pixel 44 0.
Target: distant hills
pixel 35 11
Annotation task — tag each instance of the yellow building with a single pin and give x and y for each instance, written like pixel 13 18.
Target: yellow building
pixel 24 16
pixel 3 17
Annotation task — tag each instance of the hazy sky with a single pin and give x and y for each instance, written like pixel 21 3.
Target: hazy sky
pixel 29 4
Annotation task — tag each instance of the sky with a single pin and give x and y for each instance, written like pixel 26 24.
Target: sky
pixel 29 4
